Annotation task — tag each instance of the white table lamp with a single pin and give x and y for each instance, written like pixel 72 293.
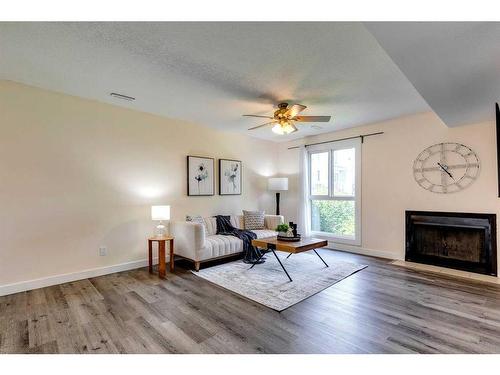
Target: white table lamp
pixel 278 184
pixel 160 213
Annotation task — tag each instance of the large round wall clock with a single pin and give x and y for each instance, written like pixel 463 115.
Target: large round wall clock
pixel 446 168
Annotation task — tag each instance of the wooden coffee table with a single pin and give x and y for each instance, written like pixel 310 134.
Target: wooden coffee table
pixel 305 244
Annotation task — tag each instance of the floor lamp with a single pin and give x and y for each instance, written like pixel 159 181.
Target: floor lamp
pixel 278 184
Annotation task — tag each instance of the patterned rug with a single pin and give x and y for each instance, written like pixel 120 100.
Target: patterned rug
pixel 268 285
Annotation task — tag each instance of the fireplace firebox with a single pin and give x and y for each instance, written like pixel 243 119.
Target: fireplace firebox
pixel 463 241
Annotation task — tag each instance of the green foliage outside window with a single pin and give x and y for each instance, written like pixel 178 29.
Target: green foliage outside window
pixel 335 217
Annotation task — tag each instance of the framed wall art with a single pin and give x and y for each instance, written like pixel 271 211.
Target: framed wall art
pixel 200 172
pixel 229 177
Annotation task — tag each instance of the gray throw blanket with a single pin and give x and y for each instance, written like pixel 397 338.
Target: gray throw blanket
pixel 250 253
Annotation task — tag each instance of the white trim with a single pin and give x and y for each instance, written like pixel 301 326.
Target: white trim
pixel 363 251
pixel 68 277
pixel 338 240
pixel 331 198
pixel 331 148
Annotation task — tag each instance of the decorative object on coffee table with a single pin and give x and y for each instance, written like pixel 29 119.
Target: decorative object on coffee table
pixel 278 184
pixel 282 230
pixel 290 238
pixel 229 177
pixel 305 244
pixel 200 176
pixel 288 232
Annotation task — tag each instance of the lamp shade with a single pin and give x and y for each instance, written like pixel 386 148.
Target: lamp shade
pixel 160 212
pixel 278 183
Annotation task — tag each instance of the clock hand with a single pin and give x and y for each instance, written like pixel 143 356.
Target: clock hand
pixel 444 169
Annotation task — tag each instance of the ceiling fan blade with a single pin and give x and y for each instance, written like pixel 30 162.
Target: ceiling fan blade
pixel 294 110
pixel 270 117
pixel 260 126
pixel 312 118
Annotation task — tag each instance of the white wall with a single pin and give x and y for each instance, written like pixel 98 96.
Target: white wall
pixel 76 174
pixel 388 186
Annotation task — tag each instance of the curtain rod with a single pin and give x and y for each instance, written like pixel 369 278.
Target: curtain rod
pixel 341 139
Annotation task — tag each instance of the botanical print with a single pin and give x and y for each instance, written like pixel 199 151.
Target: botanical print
pixel 200 176
pixel 231 173
pixel 229 177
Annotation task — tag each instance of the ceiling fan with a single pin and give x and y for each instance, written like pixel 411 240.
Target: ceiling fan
pixel 285 117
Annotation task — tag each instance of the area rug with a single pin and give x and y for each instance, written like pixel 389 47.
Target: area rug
pixel 268 285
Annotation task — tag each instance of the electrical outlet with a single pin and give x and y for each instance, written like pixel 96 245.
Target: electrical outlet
pixel 103 251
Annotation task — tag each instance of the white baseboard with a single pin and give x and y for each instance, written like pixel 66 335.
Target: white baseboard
pixel 94 272
pixel 362 250
pixel 68 277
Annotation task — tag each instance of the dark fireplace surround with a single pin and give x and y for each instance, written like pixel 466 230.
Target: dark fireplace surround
pixel 463 241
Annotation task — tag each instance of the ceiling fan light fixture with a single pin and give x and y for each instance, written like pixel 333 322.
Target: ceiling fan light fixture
pixel 278 129
pixel 289 128
pixel 284 119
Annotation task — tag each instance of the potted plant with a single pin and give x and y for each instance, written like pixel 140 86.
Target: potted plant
pixel 282 230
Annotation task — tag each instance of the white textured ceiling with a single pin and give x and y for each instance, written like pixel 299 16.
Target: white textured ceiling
pixel 454 65
pixel 212 73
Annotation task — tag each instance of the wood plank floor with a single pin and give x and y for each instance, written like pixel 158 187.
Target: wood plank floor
pixel 382 309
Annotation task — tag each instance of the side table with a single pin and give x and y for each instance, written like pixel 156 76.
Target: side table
pixel 161 254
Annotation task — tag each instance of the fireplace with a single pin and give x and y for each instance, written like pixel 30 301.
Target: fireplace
pixel 463 241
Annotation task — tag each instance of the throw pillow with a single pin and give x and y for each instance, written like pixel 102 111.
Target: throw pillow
pixel 253 219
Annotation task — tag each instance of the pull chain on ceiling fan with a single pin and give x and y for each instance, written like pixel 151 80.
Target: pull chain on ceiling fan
pixel 284 118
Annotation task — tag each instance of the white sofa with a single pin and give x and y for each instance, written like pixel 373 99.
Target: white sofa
pixel 200 243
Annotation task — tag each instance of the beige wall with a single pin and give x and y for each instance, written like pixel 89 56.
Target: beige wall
pixel 388 186
pixel 76 174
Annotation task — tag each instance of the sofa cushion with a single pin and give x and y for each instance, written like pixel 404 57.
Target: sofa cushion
pixel 211 225
pixel 272 221
pixel 218 245
pixel 236 221
pixel 253 219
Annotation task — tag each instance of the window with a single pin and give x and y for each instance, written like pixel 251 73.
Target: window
pixel 319 173
pixel 335 187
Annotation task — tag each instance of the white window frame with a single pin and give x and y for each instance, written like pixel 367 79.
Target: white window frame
pixel 330 148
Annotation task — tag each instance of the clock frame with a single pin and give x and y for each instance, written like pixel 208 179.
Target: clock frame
pixel 446 168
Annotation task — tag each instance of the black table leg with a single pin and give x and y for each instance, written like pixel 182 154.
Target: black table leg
pixel 256 262
pixel 271 247
pixel 281 264
pixel 288 256
pixel 320 257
